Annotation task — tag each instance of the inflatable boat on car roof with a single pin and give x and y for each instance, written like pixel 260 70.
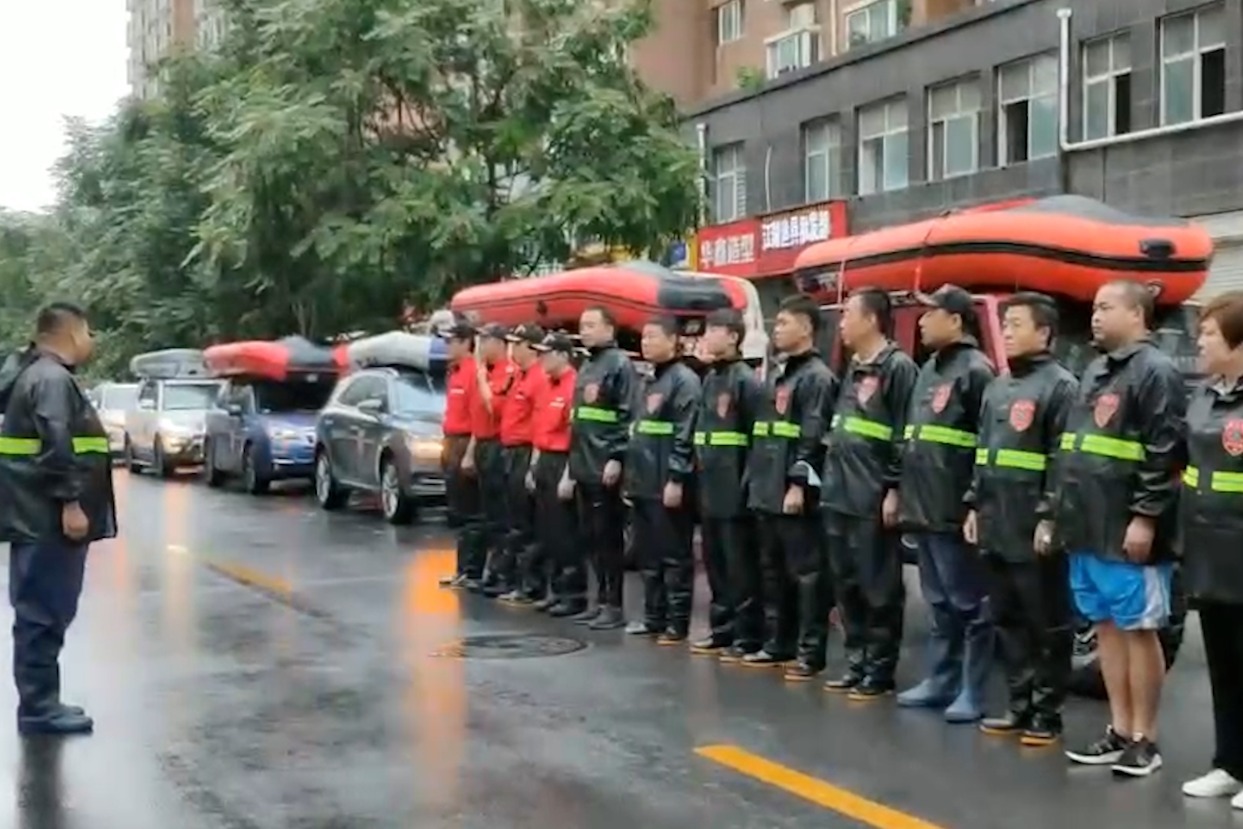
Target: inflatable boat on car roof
pixel 274 359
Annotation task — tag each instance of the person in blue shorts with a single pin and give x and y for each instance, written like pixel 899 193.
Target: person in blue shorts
pixel 1115 513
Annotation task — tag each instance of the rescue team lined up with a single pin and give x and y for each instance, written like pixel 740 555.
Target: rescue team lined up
pixel 1040 493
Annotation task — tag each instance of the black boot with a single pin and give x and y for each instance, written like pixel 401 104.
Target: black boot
pixel 1009 724
pixel 60 721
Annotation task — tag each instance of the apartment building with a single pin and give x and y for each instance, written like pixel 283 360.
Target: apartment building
pixel 157 27
pixel 1138 104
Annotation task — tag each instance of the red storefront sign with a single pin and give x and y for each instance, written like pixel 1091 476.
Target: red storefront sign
pixel 768 246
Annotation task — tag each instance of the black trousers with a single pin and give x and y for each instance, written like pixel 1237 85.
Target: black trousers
pixel 560 562
pixel 493 520
pixel 797 590
pixel 519 517
pixel 866 562
pixel 602 517
pixel 662 541
pixel 45 581
pixel 732 559
pixel 462 502
pixel 1222 626
pixel 1030 603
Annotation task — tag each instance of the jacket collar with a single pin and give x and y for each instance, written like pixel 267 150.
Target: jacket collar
pixel 1126 352
pixel 952 350
pixel 1022 366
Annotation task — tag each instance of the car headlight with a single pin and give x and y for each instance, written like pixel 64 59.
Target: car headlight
pixel 424 448
pixel 176 432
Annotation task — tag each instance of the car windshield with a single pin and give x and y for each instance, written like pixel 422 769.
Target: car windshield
pixel 119 398
pixel 185 397
pixel 419 394
pixel 1174 333
pixel 272 397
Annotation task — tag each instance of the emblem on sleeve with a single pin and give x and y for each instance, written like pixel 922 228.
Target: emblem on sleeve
pixel 1022 413
pixel 941 397
pixel 591 392
pixel 781 400
pixel 722 405
pixel 1232 438
pixel 653 402
pixel 1105 409
pixel 866 388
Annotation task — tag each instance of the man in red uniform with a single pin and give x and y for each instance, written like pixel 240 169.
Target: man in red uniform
pixel 558 573
pixel 512 566
pixel 495 377
pixel 461 485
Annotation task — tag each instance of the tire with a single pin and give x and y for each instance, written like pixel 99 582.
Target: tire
pixel 131 462
pixel 159 462
pixel 1085 677
pixel 212 476
pixel 397 507
pixel 330 494
pixel 252 481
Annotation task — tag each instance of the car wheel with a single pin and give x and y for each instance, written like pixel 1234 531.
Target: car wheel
pixel 328 492
pixel 395 504
pixel 212 476
pixel 160 462
pixel 254 483
pixel 131 462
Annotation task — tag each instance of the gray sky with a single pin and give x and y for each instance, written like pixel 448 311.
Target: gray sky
pixel 57 58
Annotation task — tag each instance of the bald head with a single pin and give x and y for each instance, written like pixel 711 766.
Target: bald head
pixel 1122 313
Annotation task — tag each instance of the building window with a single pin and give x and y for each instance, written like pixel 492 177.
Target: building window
pixel 729 176
pixel 822 143
pixel 883 154
pixel 1107 87
pixel 953 129
pixel 798 46
pixel 873 22
pixel 1027 109
pixel 1193 65
pixel 729 22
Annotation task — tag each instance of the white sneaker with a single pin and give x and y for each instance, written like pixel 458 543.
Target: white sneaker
pixel 1216 783
pixel 1237 801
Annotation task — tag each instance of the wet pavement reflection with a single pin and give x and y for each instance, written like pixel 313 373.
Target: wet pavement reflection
pixel 256 663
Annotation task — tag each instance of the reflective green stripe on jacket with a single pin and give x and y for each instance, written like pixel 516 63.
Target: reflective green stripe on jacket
pixel 33 446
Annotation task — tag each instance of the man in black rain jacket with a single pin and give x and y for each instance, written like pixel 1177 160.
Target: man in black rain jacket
pixel 603 402
pixel 659 468
pixel 731 396
pixel 783 488
pixel 938 461
pixel 1115 513
pixel 1021 424
pixel 861 468
pixel 55 499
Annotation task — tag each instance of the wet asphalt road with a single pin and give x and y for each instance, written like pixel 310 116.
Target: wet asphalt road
pixel 254 664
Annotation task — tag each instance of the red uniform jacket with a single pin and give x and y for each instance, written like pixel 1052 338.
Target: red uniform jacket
pixel 550 422
pixel 520 405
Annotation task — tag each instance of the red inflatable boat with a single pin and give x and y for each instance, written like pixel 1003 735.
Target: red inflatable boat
pixel 633 291
pixel 1064 245
pixel 273 360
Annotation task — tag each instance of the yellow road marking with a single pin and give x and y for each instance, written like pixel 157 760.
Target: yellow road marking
pixel 809 788
pixel 246 575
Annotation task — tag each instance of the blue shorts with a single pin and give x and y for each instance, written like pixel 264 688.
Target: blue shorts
pixel 1132 596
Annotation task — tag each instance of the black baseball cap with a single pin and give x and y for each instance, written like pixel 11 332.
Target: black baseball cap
pixel 557 342
pixel 528 333
pixel 460 330
pixel 952 300
pixel 494 331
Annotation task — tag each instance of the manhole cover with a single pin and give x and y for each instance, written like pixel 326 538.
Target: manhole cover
pixel 510 646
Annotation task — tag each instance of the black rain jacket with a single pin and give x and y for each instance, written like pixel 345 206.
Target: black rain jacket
pixel 940 437
pixel 662 440
pixel 1121 452
pixel 787 439
pixel 1021 424
pixel 53 451
pixel 862 462
pixel 603 400
pixel 731 397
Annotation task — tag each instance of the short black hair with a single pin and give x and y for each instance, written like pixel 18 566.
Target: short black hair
pixel 802 305
pixel 1041 306
pixel 54 316
pixel 1137 295
pixel 605 314
pixel 730 319
pixel 876 301
pixel 665 323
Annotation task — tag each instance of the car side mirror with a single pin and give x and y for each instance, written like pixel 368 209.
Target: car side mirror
pixel 371 407
pixel 234 409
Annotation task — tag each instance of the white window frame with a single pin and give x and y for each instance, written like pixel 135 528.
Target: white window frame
pixel 1196 55
pixel 885 136
pixel 963 110
pixel 1032 94
pixel 808 49
pixel 729 22
pixel 822 144
pixel 887 7
pixel 1109 77
pixel 733 155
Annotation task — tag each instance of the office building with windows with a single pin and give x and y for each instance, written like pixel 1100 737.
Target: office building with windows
pixel 158 27
pixel 898 116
